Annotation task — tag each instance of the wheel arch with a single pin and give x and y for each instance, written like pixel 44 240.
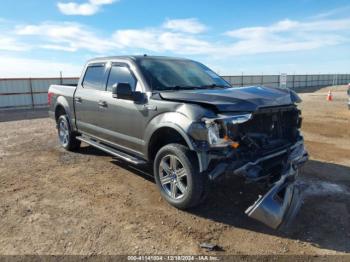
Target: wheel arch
pixel 59 111
pixel 179 122
pixel 151 151
pixel 166 134
pixel 63 107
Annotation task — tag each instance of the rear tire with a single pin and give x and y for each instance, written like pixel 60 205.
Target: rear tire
pixel 177 176
pixel 66 137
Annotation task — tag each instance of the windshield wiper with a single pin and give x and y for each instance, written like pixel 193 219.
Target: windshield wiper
pixel 177 87
pixel 214 86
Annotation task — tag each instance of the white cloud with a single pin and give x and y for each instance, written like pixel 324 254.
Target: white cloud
pixel 292 27
pixel 76 9
pixel 183 44
pixel 58 47
pixel 282 36
pixel 22 67
pixel 171 38
pixel 159 41
pixel 288 35
pixel 133 38
pixel 85 9
pixel 8 43
pixel 73 37
pixel 189 25
pixel 67 36
pixel 102 2
pixel 333 12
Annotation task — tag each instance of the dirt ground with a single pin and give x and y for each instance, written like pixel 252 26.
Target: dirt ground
pixel 57 202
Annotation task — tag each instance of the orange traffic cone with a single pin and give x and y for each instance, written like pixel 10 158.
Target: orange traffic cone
pixel 329 96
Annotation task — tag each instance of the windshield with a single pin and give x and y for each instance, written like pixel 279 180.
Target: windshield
pixel 171 74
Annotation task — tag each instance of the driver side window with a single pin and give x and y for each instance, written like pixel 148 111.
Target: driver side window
pixel 120 74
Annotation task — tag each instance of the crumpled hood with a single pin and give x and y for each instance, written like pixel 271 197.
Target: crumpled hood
pixel 235 99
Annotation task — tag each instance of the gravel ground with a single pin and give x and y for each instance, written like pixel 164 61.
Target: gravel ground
pixel 58 202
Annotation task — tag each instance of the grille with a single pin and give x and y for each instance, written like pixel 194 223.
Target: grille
pixel 268 128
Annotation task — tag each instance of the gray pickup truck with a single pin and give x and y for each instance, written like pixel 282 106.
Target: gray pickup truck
pixel 191 125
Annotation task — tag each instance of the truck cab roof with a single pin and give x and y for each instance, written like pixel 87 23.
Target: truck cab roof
pixel 135 58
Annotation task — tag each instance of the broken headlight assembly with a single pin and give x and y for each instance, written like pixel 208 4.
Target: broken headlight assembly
pixel 213 131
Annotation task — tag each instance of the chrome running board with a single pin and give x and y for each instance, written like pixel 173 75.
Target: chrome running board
pixel 112 151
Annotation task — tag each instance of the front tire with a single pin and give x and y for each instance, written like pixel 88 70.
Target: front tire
pixel 177 176
pixel 65 135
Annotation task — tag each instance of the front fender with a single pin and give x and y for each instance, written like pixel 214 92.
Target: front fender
pixel 175 120
pixel 181 124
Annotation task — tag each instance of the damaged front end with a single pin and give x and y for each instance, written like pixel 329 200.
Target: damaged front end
pixel 281 202
pixel 265 148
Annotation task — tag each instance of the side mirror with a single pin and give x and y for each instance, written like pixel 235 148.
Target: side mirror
pixel 122 91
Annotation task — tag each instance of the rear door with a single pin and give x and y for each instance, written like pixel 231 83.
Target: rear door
pixel 87 97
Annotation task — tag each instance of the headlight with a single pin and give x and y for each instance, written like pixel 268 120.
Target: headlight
pixel 239 119
pixel 233 119
pixel 216 135
pixel 217 128
pixel 213 134
pixel 214 131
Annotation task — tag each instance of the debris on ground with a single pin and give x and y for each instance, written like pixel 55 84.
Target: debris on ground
pixel 210 247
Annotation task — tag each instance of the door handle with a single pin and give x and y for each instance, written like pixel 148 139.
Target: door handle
pixel 102 104
pixel 150 107
pixel 78 99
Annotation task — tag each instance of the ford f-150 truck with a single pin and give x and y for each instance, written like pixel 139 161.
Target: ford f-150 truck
pixel 191 125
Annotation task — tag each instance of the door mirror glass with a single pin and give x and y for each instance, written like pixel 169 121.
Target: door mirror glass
pixel 122 91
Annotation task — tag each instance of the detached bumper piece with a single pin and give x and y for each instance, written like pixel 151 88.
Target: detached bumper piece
pixel 271 208
pixel 281 203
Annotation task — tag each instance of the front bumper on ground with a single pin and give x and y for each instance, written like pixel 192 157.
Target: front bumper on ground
pixel 282 199
pixel 281 203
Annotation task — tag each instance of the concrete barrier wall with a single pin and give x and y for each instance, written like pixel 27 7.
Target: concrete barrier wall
pixel 32 92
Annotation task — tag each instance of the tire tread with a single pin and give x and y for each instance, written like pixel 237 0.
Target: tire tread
pixel 74 144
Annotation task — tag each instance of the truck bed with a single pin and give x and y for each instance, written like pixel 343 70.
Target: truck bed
pixel 60 91
pixel 65 90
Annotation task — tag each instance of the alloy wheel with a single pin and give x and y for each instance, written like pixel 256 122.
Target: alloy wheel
pixel 63 133
pixel 173 176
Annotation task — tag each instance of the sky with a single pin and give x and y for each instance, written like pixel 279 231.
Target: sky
pixel 41 38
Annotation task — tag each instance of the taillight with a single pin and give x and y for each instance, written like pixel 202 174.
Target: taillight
pixel 49 97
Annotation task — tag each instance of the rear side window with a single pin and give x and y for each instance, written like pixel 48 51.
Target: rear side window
pixel 120 74
pixel 94 78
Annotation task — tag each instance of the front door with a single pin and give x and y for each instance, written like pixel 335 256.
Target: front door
pixel 122 121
